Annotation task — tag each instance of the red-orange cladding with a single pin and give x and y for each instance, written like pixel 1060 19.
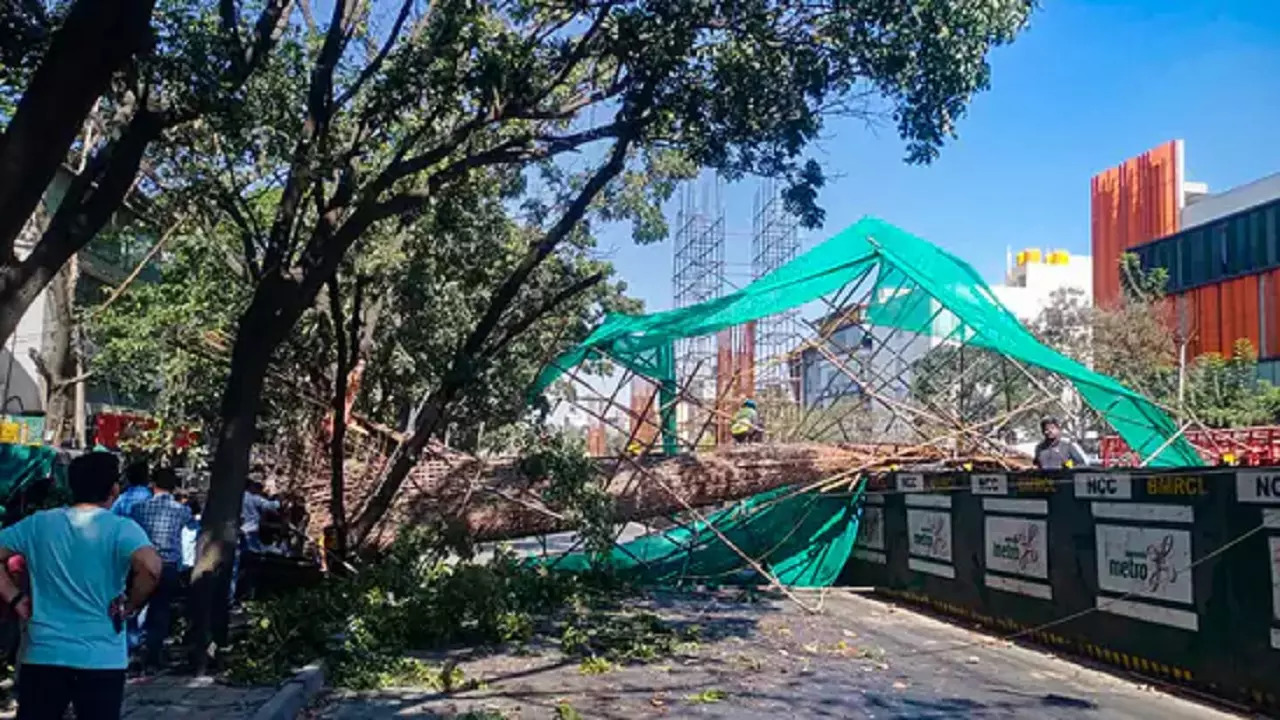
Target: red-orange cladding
pixel 1130 204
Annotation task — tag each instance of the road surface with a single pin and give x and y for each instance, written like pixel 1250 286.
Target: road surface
pixel 858 658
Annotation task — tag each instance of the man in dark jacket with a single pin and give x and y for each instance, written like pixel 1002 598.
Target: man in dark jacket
pixel 1056 452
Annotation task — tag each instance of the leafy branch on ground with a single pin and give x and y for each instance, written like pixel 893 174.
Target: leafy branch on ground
pixel 575 487
pixel 414 598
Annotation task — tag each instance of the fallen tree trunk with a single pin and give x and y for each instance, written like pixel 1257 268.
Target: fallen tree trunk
pixel 492 500
pixel 486 502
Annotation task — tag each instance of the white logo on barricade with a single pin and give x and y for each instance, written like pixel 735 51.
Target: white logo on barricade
pixel 1017 546
pixel 1145 561
pixel 929 533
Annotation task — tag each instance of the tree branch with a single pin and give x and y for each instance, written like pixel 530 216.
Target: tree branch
pixel 316 125
pixel 96 40
pixel 137 270
pixel 266 33
pixel 229 14
pixel 519 327
pixel 90 202
pixel 434 408
pixel 374 65
pixel 576 210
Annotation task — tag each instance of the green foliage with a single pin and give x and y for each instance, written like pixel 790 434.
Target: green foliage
pixel 707 697
pixel 565 711
pixel 413 598
pixel 595 666
pixel 1225 392
pixel 1142 285
pixel 1065 323
pixel 165 341
pixel 606 639
pixel 574 485
pixel 971 384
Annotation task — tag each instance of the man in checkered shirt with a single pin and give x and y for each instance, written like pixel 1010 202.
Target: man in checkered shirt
pixel 163 518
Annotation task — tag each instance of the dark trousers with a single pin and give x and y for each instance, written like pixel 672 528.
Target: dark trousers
pixel 160 615
pixel 44 691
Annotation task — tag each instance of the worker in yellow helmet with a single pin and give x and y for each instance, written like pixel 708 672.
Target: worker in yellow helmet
pixel 746 426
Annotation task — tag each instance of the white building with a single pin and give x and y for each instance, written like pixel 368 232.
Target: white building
pixel 1033 276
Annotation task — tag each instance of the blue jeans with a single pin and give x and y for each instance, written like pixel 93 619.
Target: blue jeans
pixel 248 542
pixel 160 615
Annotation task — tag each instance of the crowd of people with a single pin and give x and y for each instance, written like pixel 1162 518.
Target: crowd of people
pixel 96 582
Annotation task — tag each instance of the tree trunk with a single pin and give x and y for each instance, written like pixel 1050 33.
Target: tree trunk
pixel 261 330
pixel 57 357
pixel 338 430
pixel 97 38
pixel 506 505
pixel 402 461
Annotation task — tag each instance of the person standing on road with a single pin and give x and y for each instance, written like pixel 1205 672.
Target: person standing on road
pixel 255 503
pixel 78 558
pixel 163 518
pixel 252 505
pixel 1056 452
pixel 137 478
pixel 138 489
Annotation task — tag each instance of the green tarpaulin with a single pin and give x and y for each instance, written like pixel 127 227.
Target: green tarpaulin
pixel 24 465
pixel 919 288
pixel 801 539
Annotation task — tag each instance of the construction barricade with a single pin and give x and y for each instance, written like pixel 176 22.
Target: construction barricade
pixel 1171 574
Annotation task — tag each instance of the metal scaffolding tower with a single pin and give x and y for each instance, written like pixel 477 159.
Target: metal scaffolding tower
pixel 698 271
pixel 775 240
pixel 698 275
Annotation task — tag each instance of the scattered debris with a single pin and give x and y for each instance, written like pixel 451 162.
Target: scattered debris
pixel 707 697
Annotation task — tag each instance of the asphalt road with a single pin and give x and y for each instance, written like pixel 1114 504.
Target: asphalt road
pixel 857 658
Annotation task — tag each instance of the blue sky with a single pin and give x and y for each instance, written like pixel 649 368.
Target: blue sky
pixel 1090 83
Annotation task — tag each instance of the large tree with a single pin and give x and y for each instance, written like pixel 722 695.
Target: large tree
pixel 373 113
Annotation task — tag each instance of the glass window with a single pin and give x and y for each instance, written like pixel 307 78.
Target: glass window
pixel 1271 234
pixel 1241 253
pixel 1218 251
pixel 1258 235
pixel 1194 258
pixel 1167 257
pixel 1186 253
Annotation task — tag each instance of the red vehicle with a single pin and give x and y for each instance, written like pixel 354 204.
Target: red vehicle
pixel 1254 446
pixel 109 428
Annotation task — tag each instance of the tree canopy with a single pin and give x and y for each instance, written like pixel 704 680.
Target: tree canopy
pixel 445 163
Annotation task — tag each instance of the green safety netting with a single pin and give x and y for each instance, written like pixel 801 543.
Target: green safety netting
pixel 802 539
pixel 919 288
pixel 24 465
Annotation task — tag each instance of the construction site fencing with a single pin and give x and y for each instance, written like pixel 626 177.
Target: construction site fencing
pixel 1171 574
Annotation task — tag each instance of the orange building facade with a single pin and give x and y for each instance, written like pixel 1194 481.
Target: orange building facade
pixel 1221 251
pixel 1133 203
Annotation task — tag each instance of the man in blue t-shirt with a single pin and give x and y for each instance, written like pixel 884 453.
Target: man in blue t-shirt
pixel 78 558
